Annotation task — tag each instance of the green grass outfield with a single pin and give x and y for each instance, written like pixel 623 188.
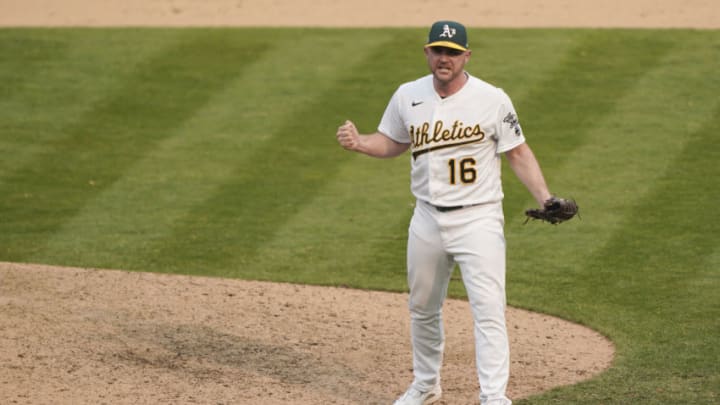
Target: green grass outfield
pixel 212 152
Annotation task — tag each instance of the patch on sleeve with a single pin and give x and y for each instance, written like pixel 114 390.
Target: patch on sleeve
pixel 512 120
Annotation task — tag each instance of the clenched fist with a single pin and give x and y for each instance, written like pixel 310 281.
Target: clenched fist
pixel 347 136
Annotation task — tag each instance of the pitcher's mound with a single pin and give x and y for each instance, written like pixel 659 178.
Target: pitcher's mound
pixel 71 335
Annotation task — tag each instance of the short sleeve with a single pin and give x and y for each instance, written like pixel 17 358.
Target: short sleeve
pixel 392 123
pixel 509 131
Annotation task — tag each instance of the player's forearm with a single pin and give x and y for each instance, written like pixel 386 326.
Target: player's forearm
pixel 526 167
pixel 380 146
pixel 376 144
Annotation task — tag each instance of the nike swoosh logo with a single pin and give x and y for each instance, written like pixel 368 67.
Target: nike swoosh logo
pixel 416 103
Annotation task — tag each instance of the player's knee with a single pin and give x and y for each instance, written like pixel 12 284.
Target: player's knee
pixel 425 313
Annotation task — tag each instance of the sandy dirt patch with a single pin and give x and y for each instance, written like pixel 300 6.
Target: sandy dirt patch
pixel 85 336
pixel 366 13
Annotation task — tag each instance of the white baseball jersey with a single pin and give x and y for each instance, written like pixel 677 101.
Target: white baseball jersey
pixel 456 141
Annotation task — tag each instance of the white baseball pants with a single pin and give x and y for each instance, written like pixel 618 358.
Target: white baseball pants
pixel 473 239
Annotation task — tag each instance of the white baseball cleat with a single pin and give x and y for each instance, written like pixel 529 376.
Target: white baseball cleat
pixel 415 397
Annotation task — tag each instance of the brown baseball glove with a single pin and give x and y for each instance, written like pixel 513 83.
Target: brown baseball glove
pixel 555 210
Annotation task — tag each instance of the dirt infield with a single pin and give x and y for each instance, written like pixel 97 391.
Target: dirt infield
pixel 89 336
pixel 367 13
pixel 77 336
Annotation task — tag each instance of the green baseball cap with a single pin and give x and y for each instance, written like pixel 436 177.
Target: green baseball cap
pixel 449 34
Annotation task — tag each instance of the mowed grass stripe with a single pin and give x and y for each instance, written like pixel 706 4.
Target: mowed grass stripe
pixel 587 86
pixel 667 240
pixel 519 61
pixel 352 232
pixel 632 266
pixel 565 108
pixel 52 79
pixel 680 248
pixel 622 158
pixel 222 235
pixel 26 54
pixel 94 152
pixel 616 167
pixel 654 286
pixel 590 170
pixel 186 167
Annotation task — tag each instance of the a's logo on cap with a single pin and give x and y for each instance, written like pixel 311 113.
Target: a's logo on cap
pixel 447 32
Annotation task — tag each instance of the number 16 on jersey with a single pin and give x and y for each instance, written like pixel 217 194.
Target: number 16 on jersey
pixel 462 171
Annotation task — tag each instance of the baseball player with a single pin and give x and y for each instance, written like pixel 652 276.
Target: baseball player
pixel 456 127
